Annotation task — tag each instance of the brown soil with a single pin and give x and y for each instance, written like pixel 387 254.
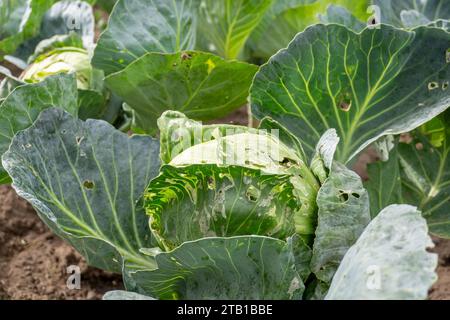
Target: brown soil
pixel 33 262
pixel 441 290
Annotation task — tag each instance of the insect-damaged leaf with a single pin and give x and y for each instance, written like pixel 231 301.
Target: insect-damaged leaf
pixel 199 201
pixel 378 82
pixel 84 179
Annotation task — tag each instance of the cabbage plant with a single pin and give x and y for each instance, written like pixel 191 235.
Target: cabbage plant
pixel 218 211
pixel 205 220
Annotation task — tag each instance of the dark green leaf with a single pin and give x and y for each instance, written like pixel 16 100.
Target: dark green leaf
pixel 286 18
pixel 141 26
pixel 384 184
pixel 389 260
pixel 20 20
pixel 201 85
pixel 19 110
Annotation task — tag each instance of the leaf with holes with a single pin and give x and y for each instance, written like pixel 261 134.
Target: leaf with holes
pixel 84 179
pixel 200 201
pixel 366 85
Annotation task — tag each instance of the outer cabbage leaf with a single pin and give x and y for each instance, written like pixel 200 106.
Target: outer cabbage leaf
pixel 389 260
pixel 199 84
pixel 20 20
pixel 239 268
pixel 23 105
pixel 367 85
pixel 137 27
pixel 343 214
pixel 225 25
pixel 84 179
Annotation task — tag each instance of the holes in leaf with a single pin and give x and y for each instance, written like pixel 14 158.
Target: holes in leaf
pixel 445 85
pixel 88 184
pixel 211 183
pixel 447 56
pixel 253 194
pixel 79 139
pixel 345 105
pixel 343 196
pixel 185 56
pixel 433 85
pixel 419 146
pixel 345 101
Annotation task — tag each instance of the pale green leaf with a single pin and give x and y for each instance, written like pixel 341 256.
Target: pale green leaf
pixel 411 13
pixel 389 261
pixel 200 201
pixel 340 15
pixel 179 133
pixel 343 214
